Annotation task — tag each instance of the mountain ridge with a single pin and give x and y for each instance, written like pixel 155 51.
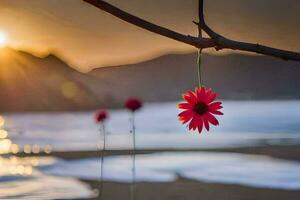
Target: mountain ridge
pixel 30 83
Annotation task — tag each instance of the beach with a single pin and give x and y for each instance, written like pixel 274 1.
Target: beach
pixel 58 155
pixel 189 189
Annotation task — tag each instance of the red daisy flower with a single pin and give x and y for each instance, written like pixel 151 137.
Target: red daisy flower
pixel 100 116
pixel 133 104
pixel 199 109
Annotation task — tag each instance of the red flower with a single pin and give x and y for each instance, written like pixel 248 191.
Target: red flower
pixel 100 116
pixel 133 104
pixel 199 109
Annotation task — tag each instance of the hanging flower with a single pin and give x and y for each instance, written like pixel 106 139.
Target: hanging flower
pixel 199 109
pixel 133 104
pixel 100 116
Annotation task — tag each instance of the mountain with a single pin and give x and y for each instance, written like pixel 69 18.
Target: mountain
pixel 29 83
pixel 234 76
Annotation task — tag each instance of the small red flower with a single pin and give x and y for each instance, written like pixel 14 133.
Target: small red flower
pixel 199 109
pixel 133 104
pixel 100 116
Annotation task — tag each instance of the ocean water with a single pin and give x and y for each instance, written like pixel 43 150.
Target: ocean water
pixel 227 168
pixel 53 178
pixel 20 178
pixel 243 124
pixel 157 127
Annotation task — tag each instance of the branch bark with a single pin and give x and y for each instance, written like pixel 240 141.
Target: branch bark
pixel 194 41
pixel 215 40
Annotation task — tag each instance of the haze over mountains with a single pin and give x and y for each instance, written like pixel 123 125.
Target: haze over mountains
pixel 29 83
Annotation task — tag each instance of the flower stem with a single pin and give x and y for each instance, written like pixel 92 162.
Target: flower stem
pixel 102 159
pixel 199 60
pixel 133 185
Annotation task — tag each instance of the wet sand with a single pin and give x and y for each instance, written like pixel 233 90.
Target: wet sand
pixel 184 189
pixel 289 152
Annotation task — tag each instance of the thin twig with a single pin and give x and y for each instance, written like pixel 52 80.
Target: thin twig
pixel 216 40
pixel 224 43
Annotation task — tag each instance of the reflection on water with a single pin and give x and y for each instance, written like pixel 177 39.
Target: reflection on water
pixel 157 126
pixel 227 168
pixel 7 146
pixel 5 143
pixel 13 165
pixel 1 121
pixel 47 149
pixel 3 134
pixel 21 178
pixel 14 148
pixel 50 178
pixel 244 124
pixel 16 166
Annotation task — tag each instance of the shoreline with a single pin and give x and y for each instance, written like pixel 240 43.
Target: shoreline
pixel 186 188
pixel 195 190
pixel 191 190
pixel 288 152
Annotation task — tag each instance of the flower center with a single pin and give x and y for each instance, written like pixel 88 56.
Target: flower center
pixel 200 108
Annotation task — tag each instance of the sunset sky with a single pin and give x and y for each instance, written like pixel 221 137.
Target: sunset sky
pixel 87 37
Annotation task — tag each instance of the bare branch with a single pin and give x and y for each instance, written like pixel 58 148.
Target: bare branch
pixel 202 23
pixel 216 40
pixel 200 16
pixel 194 41
pixel 224 43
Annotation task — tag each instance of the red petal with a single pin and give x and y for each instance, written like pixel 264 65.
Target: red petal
pixel 185 113
pixel 192 124
pixel 218 103
pixel 185 116
pixel 211 97
pixel 208 92
pixel 184 120
pixel 206 123
pixel 201 93
pixel 212 119
pixel 189 97
pixel 193 96
pixel 200 125
pixel 185 105
pixel 215 105
pixel 197 92
pixel 216 112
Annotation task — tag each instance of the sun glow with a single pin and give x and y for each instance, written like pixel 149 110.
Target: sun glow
pixel 3 39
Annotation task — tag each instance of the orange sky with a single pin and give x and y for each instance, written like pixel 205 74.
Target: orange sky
pixel 86 37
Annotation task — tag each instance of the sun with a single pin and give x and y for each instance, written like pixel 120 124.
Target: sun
pixel 3 39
